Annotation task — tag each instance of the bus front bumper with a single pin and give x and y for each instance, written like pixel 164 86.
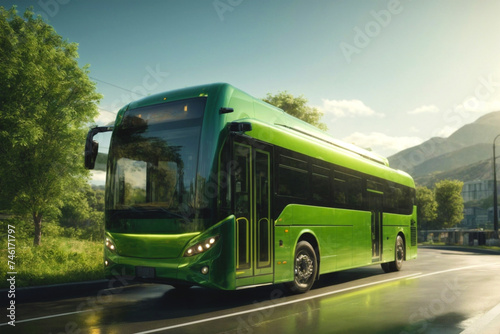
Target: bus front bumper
pixel 213 268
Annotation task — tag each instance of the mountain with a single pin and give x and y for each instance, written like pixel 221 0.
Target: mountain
pixel 465 155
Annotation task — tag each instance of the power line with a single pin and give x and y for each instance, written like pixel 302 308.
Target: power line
pixel 107 83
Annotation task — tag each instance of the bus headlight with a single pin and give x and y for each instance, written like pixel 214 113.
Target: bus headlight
pixel 110 245
pixel 202 246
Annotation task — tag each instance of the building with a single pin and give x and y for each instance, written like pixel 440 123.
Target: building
pixel 490 214
pixel 475 217
pixel 477 190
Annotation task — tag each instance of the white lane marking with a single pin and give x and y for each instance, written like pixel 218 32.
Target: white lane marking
pixel 480 324
pixel 454 269
pixel 412 276
pixel 275 305
pixel 47 317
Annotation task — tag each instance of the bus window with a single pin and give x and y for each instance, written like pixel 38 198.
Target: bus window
pixel 348 190
pixel 292 177
pixel 320 184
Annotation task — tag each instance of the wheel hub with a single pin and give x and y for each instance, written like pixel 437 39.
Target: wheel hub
pixel 304 268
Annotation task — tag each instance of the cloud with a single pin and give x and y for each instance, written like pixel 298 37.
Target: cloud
pixel 473 104
pixel 105 117
pixel 382 143
pixel 428 109
pixel 347 108
pixel 414 129
pixel 97 177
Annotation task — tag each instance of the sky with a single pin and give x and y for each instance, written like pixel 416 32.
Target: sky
pixel 387 75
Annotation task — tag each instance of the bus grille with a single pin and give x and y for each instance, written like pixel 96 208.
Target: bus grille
pixel 413 235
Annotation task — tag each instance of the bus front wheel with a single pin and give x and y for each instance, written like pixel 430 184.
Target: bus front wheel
pixel 305 268
pixel 397 264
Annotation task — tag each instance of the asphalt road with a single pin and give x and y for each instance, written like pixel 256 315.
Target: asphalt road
pixel 443 291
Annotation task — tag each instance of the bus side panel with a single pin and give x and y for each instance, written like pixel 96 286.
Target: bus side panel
pixel 283 247
pixel 362 237
pixel 394 224
pixel 412 252
pixel 321 223
pixel 283 255
pixel 343 238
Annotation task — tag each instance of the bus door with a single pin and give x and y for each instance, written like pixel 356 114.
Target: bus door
pixel 251 186
pixel 375 199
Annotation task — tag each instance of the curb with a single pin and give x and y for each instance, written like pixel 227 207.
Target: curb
pixel 463 249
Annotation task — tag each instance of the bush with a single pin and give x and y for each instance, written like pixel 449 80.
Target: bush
pixel 24 228
pixel 71 248
pixel 82 216
pixel 57 260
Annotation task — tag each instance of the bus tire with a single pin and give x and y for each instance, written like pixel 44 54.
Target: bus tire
pixel 386 267
pixel 399 256
pixel 305 267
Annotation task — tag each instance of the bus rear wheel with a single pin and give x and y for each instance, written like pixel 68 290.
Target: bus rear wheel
pixel 305 268
pixel 397 264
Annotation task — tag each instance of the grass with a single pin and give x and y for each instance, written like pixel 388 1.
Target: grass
pixel 430 243
pixel 57 260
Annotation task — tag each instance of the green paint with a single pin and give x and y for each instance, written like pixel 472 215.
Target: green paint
pixel 256 243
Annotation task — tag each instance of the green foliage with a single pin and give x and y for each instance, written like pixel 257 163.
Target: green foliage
pixel 297 107
pixel 426 208
pixel 58 260
pixel 450 202
pixel 82 215
pixel 46 101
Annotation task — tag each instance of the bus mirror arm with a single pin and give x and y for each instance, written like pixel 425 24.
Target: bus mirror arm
pixel 240 127
pixel 91 146
pixel 225 110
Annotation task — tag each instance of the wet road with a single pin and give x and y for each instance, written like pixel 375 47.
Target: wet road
pixel 443 291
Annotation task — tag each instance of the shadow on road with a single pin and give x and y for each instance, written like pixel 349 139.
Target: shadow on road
pixel 179 303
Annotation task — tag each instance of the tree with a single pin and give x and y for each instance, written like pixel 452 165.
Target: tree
pixel 297 107
pixel 83 211
pixel 46 101
pixel 450 204
pixel 426 208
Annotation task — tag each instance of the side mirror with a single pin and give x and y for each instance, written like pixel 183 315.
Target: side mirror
pixel 92 147
pixel 91 154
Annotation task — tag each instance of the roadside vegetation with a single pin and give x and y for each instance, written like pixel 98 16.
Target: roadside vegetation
pixel 46 106
pixel 72 247
pixel 441 207
pixel 61 258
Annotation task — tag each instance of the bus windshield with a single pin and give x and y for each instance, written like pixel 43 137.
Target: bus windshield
pixel 152 170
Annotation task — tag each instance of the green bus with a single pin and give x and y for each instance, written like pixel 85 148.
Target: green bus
pixel 210 186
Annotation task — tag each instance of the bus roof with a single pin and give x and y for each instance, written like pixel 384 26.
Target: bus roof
pixel 248 107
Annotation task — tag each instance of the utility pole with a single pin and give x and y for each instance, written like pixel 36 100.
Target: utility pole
pixel 495 200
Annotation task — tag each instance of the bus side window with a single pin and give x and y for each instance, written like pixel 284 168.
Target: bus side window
pixel 292 177
pixel 320 184
pixel 348 190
